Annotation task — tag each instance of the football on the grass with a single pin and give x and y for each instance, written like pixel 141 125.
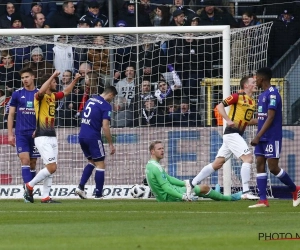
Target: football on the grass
pixel 137 191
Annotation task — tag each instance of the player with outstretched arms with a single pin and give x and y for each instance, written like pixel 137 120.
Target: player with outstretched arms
pixel 45 135
pixel 168 188
pixel 268 140
pixel 95 115
pixel 21 102
pixel 242 107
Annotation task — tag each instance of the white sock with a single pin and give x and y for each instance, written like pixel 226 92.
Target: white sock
pixel 41 175
pixel 245 174
pixel 47 186
pixel 205 172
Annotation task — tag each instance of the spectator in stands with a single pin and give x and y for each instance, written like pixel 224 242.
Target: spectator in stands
pixel 284 33
pixel 16 21
pixel 162 16
pixel 38 65
pixel 122 116
pixel 84 68
pixel 98 23
pixel 126 86
pixel 3 6
pixel 248 19
pixel 81 53
pixel 141 92
pixel 188 13
pixel 9 77
pixel 39 21
pixel 166 91
pixel 150 114
pixel 82 6
pixel 173 106
pixel 48 7
pixel 122 54
pixel 36 8
pixel 94 14
pixel 144 9
pixel 5 18
pixel 63 54
pixel 65 18
pixel 178 18
pixel 128 16
pixel 185 117
pixel 150 60
pixel 195 20
pixel 211 15
pixel 21 55
pixel 191 59
pixel 66 79
pixel 99 59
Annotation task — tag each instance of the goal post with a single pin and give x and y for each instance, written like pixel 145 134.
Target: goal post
pixel 188 149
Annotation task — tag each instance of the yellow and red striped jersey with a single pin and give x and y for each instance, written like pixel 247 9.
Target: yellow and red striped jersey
pixel 241 111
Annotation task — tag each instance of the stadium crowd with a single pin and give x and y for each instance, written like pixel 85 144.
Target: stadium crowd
pixel 157 81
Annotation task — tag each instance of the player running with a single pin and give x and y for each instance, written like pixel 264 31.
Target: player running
pixel 242 107
pixel 168 188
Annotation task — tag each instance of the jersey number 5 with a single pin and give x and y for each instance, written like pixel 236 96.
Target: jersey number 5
pixel 88 109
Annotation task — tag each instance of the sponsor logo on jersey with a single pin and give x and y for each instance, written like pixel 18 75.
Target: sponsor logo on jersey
pixel 259 109
pixel 29 104
pixel 273 96
pixel 273 102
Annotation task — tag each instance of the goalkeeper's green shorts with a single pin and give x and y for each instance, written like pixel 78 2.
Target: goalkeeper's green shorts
pixel 180 190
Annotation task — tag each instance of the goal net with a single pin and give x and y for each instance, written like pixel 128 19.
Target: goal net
pixel 169 81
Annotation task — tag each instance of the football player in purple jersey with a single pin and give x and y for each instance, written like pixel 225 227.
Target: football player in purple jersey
pixel 268 140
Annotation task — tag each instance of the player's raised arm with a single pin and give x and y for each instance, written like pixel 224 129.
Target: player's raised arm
pixel 69 88
pixel 46 84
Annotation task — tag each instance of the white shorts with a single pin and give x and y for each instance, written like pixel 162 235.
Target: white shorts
pixel 48 148
pixel 233 144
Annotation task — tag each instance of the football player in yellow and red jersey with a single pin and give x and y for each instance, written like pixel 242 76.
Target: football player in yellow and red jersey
pixel 45 137
pixel 242 107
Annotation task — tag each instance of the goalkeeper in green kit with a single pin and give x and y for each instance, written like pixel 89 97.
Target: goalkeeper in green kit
pixel 168 188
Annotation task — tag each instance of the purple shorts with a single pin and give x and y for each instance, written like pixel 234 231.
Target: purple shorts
pixel 25 143
pixel 268 149
pixel 92 149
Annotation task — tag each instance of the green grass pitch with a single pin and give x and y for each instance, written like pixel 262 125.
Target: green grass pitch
pixel 146 224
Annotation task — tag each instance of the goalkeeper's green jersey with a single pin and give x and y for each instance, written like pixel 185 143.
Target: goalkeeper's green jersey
pixel 163 186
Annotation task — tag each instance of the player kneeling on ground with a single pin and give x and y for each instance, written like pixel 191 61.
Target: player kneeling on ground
pixel 168 188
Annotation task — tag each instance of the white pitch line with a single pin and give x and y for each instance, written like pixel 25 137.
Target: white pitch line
pixel 151 212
